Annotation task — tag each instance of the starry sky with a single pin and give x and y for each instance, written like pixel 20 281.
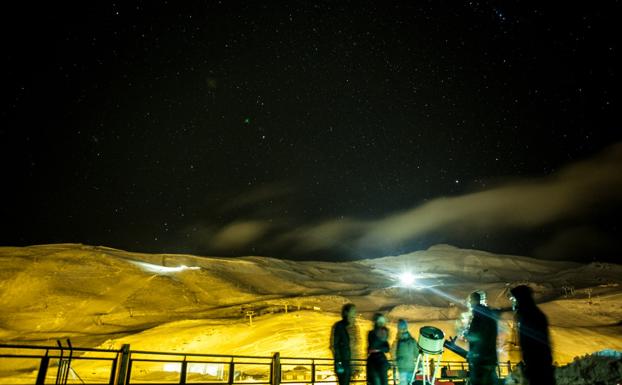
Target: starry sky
pixel 331 130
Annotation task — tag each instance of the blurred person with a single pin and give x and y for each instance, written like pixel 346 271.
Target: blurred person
pixel 340 343
pixel 482 337
pixel 377 346
pixel 533 337
pixel 406 352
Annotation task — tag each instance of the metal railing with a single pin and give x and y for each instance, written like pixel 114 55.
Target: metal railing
pixel 73 365
pixel 55 364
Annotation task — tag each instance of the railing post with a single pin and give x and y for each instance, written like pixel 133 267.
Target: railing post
pixel 276 369
pixel 231 372
pixel 182 375
pixel 313 372
pixel 43 369
pixel 68 362
pixel 61 363
pixel 113 370
pixel 123 377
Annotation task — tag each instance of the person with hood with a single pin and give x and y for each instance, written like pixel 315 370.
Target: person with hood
pixel 482 337
pixel 377 346
pixel 533 337
pixel 406 352
pixel 340 343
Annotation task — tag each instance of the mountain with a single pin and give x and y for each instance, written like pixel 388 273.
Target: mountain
pixel 103 297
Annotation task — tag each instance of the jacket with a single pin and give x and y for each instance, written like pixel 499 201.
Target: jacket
pixel 482 336
pixel 340 344
pixel 406 352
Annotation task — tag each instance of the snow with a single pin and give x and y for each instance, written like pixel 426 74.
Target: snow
pixel 104 297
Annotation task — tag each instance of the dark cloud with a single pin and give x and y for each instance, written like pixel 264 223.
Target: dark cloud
pixel 574 193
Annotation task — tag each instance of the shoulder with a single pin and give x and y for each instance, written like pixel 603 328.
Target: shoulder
pixel 340 325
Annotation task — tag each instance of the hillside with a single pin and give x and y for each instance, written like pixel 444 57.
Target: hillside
pixel 98 296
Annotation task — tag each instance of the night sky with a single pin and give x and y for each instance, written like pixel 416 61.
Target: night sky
pixel 331 130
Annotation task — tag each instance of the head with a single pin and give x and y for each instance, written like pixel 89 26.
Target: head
pixel 521 296
pixel 348 312
pixel 379 320
pixel 402 326
pixel 475 298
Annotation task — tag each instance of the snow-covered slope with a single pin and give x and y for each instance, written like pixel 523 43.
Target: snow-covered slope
pixel 99 296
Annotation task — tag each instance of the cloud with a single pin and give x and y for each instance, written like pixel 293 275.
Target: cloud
pixel 239 224
pixel 574 195
pixel 259 195
pixel 331 234
pixel 575 191
pixel 235 235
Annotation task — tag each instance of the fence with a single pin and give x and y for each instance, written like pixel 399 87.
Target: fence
pixel 26 364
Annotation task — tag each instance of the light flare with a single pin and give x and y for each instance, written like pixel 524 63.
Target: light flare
pixel 407 279
pixel 150 267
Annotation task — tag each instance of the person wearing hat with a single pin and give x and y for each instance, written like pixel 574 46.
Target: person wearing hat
pixel 377 346
pixel 533 336
pixel 406 352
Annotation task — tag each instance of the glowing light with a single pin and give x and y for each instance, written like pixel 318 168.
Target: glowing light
pixel 163 269
pixel 172 367
pixel 407 279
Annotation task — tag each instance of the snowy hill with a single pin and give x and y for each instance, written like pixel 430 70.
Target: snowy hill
pixel 99 296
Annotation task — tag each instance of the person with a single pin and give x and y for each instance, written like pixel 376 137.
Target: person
pixel 406 352
pixel 482 337
pixel 377 346
pixel 340 343
pixel 533 337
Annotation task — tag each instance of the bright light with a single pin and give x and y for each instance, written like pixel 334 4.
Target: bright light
pixel 407 279
pixel 163 269
pixel 172 367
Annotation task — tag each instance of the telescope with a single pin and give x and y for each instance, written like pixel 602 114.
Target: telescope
pixel 430 344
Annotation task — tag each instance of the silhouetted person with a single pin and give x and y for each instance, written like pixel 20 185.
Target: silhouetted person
pixel 377 346
pixel 482 337
pixel 533 335
pixel 406 352
pixel 340 344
